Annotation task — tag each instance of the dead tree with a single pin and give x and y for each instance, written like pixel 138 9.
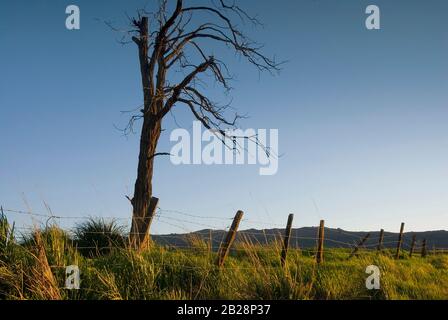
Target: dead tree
pixel 174 41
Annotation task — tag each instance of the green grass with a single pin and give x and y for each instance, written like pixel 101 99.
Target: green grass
pixel 35 269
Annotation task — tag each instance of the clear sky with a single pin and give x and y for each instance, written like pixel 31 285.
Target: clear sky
pixel 362 118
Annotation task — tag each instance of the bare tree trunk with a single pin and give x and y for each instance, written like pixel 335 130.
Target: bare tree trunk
pixel 143 203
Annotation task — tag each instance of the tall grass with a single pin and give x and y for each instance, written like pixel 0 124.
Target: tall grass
pixel 35 269
pixel 96 237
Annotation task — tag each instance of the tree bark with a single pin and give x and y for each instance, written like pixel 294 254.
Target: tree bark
pixel 143 203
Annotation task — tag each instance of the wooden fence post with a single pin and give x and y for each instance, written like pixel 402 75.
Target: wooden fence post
pixel 380 241
pixel 400 240
pixel 424 248
pixel 225 247
pixel 414 239
pixel 286 240
pixel 359 245
pixel 320 244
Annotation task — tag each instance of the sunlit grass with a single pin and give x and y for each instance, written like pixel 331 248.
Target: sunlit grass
pixel 35 269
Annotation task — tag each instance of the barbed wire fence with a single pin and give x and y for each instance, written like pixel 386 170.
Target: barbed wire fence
pixel 219 233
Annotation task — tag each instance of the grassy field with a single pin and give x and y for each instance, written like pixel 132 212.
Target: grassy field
pixel 34 268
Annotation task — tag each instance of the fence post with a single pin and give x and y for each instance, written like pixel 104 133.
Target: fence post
pixel 414 239
pixel 359 245
pixel 400 240
pixel 320 244
pixel 286 240
pixel 225 247
pixel 380 241
pixel 424 248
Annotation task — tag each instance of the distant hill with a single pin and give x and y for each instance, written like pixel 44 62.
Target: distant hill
pixel 306 238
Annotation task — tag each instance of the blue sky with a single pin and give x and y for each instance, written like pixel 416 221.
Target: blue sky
pixel 361 116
